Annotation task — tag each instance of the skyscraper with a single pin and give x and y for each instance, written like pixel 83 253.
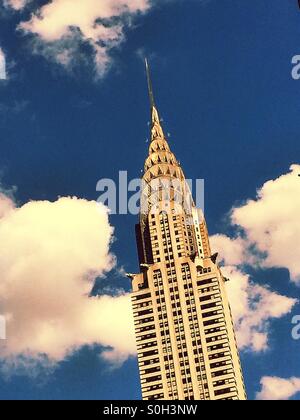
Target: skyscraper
pixel 183 324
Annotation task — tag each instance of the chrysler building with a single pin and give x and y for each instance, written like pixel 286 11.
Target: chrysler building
pixel 185 337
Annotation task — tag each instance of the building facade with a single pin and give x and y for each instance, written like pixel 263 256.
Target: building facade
pixel 183 324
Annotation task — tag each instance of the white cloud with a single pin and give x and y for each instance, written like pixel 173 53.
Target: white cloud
pixel 267 235
pixel 272 224
pixel 253 308
pixel 2 65
pixel 6 205
pixel 60 25
pixel 274 388
pixel 16 4
pixel 53 252
pixel 233 251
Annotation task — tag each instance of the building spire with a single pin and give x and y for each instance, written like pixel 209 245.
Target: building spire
pixel 156 129
pixel 150 86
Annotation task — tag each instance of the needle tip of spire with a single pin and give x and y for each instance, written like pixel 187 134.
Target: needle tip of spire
pixel 150 86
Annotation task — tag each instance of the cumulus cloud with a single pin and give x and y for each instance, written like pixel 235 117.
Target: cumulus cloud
pixel 2 65
pixel 16 4
pixel 61 25
pixel 50 256
pixel 272 224
pixel 253 308
pixel 6 205
pixel 267 232
pixel 274 388
pixel 233 251
pixel 268 228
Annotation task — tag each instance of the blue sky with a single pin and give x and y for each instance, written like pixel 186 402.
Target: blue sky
pixel 222 76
